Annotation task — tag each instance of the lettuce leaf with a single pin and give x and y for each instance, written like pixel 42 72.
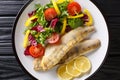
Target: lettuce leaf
pixel 75 22
pixel 63 8
pixel 40 14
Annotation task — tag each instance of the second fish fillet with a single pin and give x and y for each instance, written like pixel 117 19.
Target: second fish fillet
pixel 79 49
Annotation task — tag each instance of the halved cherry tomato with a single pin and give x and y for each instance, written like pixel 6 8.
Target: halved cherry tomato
pixel 54 38
pixel 50 13
pixel 73 8
pixel 36 51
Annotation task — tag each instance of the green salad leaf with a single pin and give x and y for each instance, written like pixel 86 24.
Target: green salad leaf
pixel 49 5
pixel 44 35
pixel 58 28
pixel 37 6
pixel 40 14
pixel 75 22
pixel 33 24
pixel 63 8
pixel 33 32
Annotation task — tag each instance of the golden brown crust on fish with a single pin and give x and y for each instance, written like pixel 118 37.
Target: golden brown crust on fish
pixel 79 49
pixel 37 62
pixel 68 41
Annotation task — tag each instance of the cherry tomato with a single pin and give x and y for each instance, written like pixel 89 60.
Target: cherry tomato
pixel 36 51
pixel 54 38
pixel 50 13
pixel 73 8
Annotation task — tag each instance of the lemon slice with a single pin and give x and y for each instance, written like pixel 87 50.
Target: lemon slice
pixel 62 74
pixel 82 64
pixel 70 69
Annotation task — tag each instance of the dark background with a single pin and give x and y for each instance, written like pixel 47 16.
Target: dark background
pixel 11 70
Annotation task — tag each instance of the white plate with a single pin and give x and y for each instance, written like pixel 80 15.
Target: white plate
pixel 96 57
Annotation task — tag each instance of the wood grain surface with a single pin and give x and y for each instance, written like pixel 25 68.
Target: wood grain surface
pixel 11 70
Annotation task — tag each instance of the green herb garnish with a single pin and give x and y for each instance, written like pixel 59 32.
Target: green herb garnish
pixel 63 8
pixel 75 22
pixel 44 35
pixel 40 14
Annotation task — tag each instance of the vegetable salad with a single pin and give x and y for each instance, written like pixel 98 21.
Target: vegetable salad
pixel 46 24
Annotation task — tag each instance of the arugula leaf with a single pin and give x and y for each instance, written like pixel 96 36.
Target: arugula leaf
pixel 64 14
pixel 49 5
pixel 40 14
pixel 37 6
pixel 43 35
pixel 63 8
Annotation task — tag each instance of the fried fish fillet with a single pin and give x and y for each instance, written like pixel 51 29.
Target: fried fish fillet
pixel 37 64
pixel 79 49
pixel 68 41
pixel 54 53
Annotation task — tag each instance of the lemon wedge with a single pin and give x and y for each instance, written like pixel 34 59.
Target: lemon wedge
pixel 70 69
pixel 82 64
pixel 62 74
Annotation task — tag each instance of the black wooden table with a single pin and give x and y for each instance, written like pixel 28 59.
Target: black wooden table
pixel 9 67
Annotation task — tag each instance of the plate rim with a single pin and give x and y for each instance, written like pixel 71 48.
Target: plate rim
pixel 14 48
pixel 13 38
